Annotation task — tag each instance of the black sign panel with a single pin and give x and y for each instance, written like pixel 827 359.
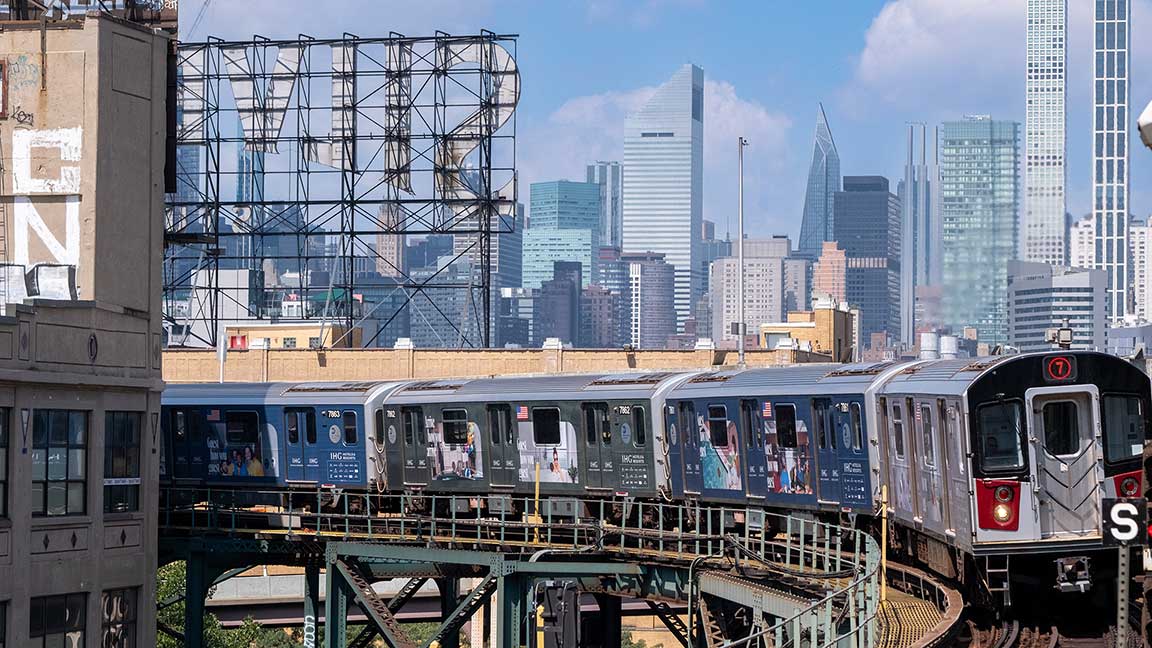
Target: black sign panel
pixel 1125 521
pixel 1060 368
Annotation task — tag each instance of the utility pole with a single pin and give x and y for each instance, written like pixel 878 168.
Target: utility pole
pixel 740 327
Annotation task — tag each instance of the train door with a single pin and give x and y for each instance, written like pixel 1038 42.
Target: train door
pixel 1066 461
pixel 690 434
pixel 956 462
pixel 415 446
pixel 752 428
pixel 827 455
pixel 502 443
pixel 187 445
pixel 303 457
pixel 929 486
pixel 598 443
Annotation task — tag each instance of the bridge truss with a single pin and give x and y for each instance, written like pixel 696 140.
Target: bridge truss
pixel 302 165
pixel 748 578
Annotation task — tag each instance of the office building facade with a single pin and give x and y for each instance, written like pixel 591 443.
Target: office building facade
pixel 823 183
pixel 610 177
pixel 920 250
pixel 1042 230
pixel 979 207
pixel 774 284
pixel 651 295
pixel 664 180
pixel 1043 297
pixel 868 227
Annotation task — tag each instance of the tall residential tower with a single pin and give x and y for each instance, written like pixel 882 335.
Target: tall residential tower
pixel 610 177
pixel 1042 226
pixel 664 181
pixel 1110 150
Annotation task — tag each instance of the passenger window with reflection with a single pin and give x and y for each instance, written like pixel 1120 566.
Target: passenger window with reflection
pixel 1000 429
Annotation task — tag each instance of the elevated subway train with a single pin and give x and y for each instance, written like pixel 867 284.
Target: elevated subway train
pixel 990 464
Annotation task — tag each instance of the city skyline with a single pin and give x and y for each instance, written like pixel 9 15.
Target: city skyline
pixel 762 86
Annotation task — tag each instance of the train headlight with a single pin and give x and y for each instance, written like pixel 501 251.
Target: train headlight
pixel 1129 486
pixel 1003 494
pixel 1001 513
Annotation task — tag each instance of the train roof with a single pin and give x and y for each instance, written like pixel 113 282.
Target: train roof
pixel 539 387
pixel 797 379
pixel 347 392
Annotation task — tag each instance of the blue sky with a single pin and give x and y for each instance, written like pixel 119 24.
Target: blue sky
pixel 874 64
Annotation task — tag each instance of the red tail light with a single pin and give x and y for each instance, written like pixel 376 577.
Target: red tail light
pixel 1127 484
pixel 998 504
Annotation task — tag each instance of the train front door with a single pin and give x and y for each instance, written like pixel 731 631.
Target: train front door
pixel 827 455
pixel 502 442
pixel 303 459
pixel 1066 460
pixel 756 461
pixel 415 447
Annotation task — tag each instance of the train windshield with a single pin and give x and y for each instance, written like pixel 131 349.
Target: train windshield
pixel 999 435
pixel 1123 427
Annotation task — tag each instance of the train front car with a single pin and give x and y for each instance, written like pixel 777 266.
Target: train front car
pixel 1030 444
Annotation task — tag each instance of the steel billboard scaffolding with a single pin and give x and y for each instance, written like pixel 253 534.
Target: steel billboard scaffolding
pixel 299 163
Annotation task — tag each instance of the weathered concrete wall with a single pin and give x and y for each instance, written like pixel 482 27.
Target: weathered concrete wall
pixel 189 366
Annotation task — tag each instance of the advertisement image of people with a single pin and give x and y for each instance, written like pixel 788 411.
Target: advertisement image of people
pixel 788 454
pixel 234 448
pixel 455 447
pixel 720 461
pixel 549 441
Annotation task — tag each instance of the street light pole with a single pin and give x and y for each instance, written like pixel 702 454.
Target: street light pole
pixel 740 144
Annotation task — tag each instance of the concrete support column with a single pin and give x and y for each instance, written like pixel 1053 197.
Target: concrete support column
pixel 449 599
pixel 311 604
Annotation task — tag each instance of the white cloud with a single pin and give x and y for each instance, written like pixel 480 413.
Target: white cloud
pixel 931 60
pixel 589 128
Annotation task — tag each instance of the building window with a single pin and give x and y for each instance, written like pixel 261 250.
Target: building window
pixel 59 458
pixel 5 443
pixel 122 461
pixel 314 343
pixel 57 620
pixel 289 343
pixel 118 622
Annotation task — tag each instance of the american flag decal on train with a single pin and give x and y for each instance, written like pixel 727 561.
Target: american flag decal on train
pixel 767 412
pixel 522 413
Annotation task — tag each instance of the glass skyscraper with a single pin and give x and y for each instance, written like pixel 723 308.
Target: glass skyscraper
pixel 1110 150
pixel 1042 228
pixel 980 195
pixel 664 182
pixel 823 183
pixel 867 228
pixel 563 225
pixel 563 204
pixel 609 175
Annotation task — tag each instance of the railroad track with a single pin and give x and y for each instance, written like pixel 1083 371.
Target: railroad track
pixel 1011 634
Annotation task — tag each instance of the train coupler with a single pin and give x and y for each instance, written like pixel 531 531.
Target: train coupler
pixel 1073 574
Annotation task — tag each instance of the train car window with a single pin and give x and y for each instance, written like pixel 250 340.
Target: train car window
pixel 241 427
pixel 640 425
pixel 546 426
pixel 1123 427
pixel 898 430
pixel 786 425
pixel 718 425
pixel 455 426
pixel 378 423
pixel 750 431
pixel 180 425
pixel 999 435
pixel 818 421
pixel 953 428
pixel 412 421
pixel 1061 421
pixel 596 423
pixel 310 427
pixel 349 420
pixel 688 423
pixel 292 425
pixel 499 420
pixel 857 426
pixel 929 436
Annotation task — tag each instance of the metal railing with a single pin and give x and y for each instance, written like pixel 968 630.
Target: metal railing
pixel 833 571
